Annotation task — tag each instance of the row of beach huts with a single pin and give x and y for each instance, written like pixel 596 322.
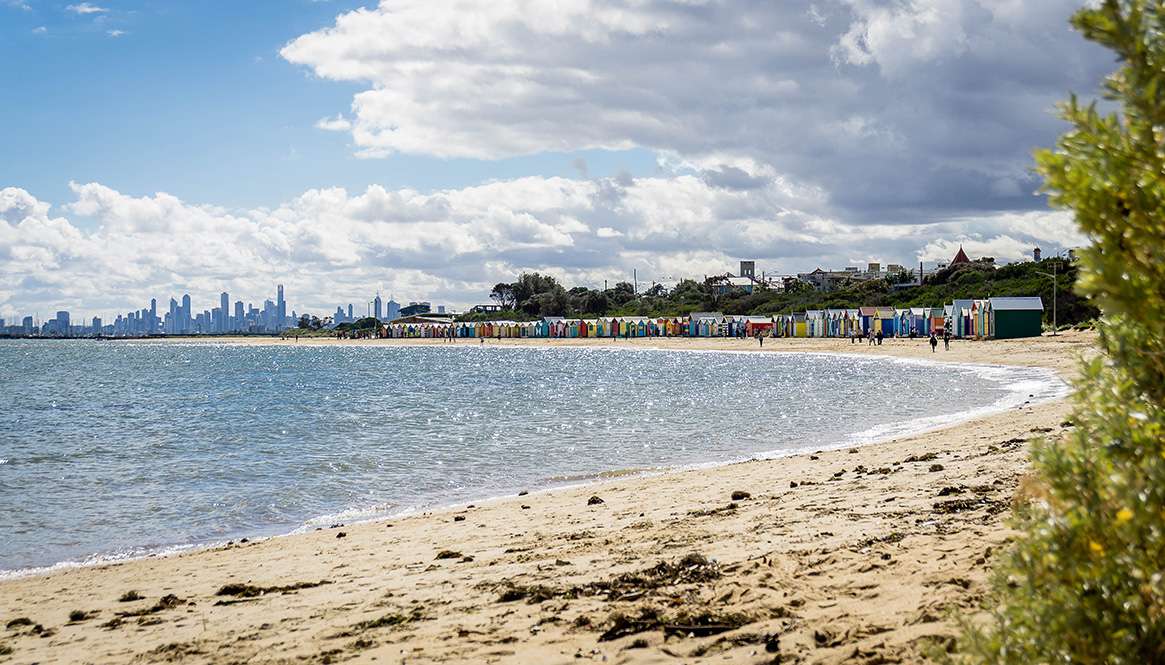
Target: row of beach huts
pixel 990 318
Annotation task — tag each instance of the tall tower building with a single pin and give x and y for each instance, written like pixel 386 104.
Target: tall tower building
pixel 376 307
pixel 174 321
pixel 224 312
pixel 280 310
pixel 187 324
pixel 393 310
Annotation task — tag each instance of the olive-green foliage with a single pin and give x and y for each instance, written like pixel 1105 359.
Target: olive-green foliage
pixel 1084 583
pixel 366 324
pixel 534 296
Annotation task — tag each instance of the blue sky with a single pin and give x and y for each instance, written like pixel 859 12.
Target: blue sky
pixel 431 148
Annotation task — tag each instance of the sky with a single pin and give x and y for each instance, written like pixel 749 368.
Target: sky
pixel 429 149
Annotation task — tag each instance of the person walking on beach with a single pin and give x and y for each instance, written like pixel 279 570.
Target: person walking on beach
pixel 946 340
pixel 933 342
pixel 880 338
pixel 870 337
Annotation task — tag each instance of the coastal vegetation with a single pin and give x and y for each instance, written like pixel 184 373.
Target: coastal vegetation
pixel 1084 582
pixel 535 295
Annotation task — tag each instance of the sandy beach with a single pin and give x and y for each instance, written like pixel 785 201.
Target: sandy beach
pixel 853 556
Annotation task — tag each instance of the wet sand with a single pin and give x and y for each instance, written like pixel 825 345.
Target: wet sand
pixel 849 556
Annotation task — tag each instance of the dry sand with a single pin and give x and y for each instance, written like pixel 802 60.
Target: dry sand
pixel 851 556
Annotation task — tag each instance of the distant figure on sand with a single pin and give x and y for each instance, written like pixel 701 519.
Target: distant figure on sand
pixel 871 338
pixel 880 338
pixel 946 340
pixel 933 342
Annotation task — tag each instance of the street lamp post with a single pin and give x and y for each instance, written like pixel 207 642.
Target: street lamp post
pixel 1055 267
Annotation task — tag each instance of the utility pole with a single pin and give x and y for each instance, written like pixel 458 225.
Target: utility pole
pixel 1055 266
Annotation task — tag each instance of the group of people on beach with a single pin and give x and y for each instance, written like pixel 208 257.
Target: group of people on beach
pixel 875 337
pixel 946 342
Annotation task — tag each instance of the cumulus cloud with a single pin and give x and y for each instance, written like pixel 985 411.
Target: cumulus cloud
pixel 902 112
pixel 85 8
pixel 332 247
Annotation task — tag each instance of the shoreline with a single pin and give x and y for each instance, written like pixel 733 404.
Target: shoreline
pixel 451 608
pixel 874 435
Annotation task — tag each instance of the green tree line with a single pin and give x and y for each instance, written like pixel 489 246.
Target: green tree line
pixel 534 295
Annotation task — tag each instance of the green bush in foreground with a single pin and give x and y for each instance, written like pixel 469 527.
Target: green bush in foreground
pixel 1083 583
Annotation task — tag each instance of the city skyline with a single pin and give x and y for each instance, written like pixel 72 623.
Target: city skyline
pixel 180 318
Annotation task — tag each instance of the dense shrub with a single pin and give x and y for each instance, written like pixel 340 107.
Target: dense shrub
pixel 1084 583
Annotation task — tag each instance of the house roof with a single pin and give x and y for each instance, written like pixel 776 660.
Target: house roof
pixel 961 257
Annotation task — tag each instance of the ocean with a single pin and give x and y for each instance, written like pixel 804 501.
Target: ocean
pixel 119 449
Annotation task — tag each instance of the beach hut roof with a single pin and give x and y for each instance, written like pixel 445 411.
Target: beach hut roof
pixel 696 316
pixel 421 318
pixel 867 311
pixel 1022 303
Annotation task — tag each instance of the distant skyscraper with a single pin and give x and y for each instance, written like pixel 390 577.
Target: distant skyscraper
pixel 187 324
pixel 393 310
pixel 174 319
pixel 240 318
pixel 376 307
pixel 63 323
pixel 350 312
pixel 224 312
pixel 280 310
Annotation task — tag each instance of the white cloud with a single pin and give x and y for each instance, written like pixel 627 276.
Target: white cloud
pixel 336 124
pixel 894 36
pixel 115 33
pixel 924 108
pixel 330 247
pixel 85 8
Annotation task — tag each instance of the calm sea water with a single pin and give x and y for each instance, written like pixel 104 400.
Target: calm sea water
pixel 116 449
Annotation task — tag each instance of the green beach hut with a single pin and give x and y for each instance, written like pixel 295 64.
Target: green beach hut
pixel 1018 317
